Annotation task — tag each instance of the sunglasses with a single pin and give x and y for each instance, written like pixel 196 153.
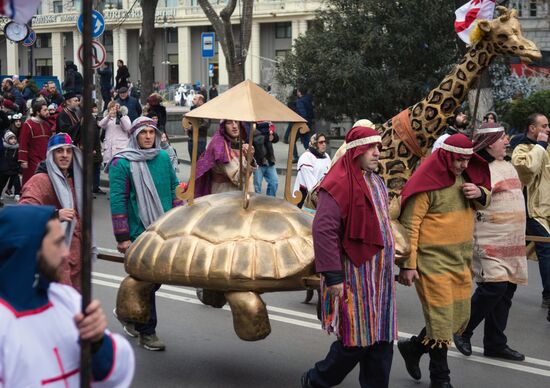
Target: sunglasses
pixel 321 142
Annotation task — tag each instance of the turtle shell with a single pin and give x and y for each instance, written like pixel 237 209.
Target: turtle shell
pixel 216 244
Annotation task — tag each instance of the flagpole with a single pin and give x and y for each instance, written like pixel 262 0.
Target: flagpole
pixel 87 176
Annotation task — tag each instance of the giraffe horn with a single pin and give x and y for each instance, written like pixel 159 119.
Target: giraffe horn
pixel 504 13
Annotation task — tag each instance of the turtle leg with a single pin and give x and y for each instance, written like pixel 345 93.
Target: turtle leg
pixel 133 302
pixel 211 298
pixel 250 318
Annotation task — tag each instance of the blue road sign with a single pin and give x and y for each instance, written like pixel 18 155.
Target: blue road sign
pixel 98 24
pixel 208 39
pixel 211 67
pixel 29 41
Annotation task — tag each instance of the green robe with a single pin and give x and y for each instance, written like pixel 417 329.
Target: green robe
pixel 127 224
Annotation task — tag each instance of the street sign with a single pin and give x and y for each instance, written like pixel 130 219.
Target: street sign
pixel 29 41
pixel 208 40
pixel 98 24
pixel 211 70
pixel 99 54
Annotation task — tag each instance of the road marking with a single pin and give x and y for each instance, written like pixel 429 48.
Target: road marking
pixel 316 325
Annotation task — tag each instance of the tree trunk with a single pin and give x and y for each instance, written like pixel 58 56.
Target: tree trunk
pixel 235 54
pixel 147 47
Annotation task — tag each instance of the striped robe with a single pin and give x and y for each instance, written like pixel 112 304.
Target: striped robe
pixel 440 225
pixel 499 235
pixel 367 313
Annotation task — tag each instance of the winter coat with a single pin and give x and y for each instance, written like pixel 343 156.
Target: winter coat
pixel 8 159
pixel 133 105
pixel 105 78
pixel 160 112
pixel 122 75
pixel 116 135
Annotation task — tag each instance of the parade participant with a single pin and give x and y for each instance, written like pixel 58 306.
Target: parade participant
pixel 531 158
pixel 9 167
pixel 117 126
pixel 33 139
pixel 354 252
pixel 264 138
pixel 58 182
pixel 142 188
pixel 69 120
pixel 218 169
pixel 460 125
pixel 40 320
pixel 312 166
pixel 437 212
pixel 499 263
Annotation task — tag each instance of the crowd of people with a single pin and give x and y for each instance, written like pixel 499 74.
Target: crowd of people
pixel 466 211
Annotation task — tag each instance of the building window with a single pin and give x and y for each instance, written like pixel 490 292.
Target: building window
pixel 533 8
pixel 171 3
pixel 172 34
pixel 57 6
pixel 281 54
pixel 283 30
pixel 43 41
pixel 43 66
pixel 108 38
pixel 113 4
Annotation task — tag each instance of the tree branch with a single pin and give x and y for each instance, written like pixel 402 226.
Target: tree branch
pixel 211 14
pixel 228 10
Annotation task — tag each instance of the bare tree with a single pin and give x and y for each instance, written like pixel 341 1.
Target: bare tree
pixel 147 47
pixel 235 52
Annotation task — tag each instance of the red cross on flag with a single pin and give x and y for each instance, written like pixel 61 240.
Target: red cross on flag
pixel 470 12
pixel 21 11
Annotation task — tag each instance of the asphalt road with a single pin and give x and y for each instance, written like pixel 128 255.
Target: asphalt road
pixel 203 350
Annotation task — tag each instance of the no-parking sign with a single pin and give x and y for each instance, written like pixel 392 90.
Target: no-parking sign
pixel 99 54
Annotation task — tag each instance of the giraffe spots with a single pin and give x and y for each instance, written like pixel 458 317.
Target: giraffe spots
pixel 461 75
pixel 459 91
pixel 448 105
pixel 387 153
pixel 473 52
pixel 470 66
pixel 436 97
pixel 482 60
pixel 395 167
pixel 412 163
pixel 417 110
pixel 416 125
pixel 430 113
pixel 421 139
pixel 386 138
pixel 489 47
pixel 434 125
pixel 446 86
pixel 402 150
pixel 396 183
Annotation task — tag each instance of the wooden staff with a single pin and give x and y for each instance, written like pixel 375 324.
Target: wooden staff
pixel 88 134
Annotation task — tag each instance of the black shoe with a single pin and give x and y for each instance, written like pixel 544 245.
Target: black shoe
pixel 411 356
pixel 305 381
pixel 463 344
pixel 440 384
pixel 506 353
pixel 294 161
pixel 99 191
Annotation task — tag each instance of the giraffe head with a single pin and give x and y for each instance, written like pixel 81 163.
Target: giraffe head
pixel 505 33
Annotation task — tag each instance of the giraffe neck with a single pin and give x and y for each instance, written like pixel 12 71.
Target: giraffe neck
pixel 432 115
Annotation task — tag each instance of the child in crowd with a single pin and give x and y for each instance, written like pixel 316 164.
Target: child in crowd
pixel 9 166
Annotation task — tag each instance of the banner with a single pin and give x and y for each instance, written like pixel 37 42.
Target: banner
pixel 20 11
pixel 469 13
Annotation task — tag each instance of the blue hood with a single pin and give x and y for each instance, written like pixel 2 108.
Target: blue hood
pixel 22 229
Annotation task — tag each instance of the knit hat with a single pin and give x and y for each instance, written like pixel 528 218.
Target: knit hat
pixel 59 139
pixel 17 116
pixel 487 134
pixel 8 134
pixel 142 122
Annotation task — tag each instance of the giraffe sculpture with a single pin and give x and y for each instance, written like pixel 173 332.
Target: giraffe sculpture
pixel 429 117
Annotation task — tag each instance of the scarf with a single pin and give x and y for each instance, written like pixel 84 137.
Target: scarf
pixel 436 171
pixel 149 204
pixel 345 182
pixel 316 153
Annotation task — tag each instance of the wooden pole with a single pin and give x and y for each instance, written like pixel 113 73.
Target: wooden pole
pixel 87 176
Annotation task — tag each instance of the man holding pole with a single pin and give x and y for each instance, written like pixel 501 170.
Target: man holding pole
pixel 142 187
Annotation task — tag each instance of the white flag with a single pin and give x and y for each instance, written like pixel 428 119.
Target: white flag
pixel 469 13
pixel 20 11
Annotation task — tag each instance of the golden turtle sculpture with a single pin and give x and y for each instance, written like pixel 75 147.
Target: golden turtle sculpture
pixel 235 252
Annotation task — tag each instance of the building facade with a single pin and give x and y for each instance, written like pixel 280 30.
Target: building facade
pixel 179 25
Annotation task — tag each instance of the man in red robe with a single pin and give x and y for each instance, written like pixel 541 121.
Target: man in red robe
pixel 33 139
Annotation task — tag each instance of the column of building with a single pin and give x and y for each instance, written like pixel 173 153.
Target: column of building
pixel 223 77
pixel 12 57
pixel 184 54
pixel 77 42
pixel 252 68
pixel 58 55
